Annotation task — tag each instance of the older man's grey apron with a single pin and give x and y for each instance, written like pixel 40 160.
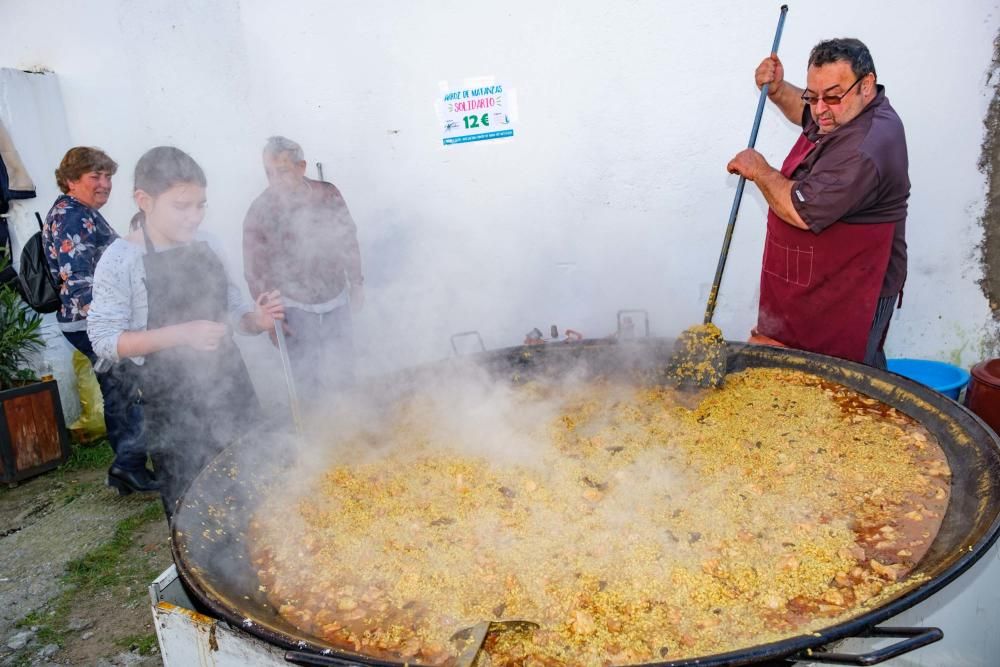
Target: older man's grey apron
pixel 195 402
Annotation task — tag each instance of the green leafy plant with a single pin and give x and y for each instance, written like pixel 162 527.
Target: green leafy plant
pixel 20 334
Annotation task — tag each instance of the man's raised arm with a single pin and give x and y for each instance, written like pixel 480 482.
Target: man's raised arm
pixel 785 96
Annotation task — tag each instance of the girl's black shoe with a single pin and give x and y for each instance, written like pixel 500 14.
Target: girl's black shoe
pixel 128 481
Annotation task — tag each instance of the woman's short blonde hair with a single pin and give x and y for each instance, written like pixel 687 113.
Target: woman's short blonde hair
pixel 82 160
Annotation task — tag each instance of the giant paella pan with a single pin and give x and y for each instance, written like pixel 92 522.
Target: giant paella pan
pixel 616 519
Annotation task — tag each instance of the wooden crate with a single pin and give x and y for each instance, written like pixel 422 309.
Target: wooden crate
pixel 33 435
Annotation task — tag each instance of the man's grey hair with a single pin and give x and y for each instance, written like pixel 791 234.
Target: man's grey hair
pixel 845 49
pixel 275 146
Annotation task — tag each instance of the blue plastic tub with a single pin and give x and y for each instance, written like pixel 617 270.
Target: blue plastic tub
pixel 945 378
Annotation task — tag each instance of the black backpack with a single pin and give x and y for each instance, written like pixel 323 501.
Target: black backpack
pixel 38 287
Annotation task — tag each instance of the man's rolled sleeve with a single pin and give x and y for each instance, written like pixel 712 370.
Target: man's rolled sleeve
pixel 830 192
pixel 347 233
pixel 256 266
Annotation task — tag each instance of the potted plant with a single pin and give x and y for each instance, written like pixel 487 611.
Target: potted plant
pixel 33 435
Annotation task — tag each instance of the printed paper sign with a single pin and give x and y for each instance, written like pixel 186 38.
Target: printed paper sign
pixel 476 113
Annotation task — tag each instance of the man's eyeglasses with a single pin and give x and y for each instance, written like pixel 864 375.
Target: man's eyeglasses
pixel 829 100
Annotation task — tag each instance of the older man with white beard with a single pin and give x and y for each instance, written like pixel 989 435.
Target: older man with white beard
pixel 299 238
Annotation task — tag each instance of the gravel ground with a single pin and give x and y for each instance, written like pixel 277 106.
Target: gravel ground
pixel 75 561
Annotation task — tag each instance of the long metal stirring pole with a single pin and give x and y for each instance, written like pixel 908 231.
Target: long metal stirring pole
pixel 286 364
pixel 714 294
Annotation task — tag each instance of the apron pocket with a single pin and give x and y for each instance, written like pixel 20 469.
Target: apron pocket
pixel 791 264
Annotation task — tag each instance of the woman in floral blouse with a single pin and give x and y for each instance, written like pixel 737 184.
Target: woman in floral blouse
pixel 75 236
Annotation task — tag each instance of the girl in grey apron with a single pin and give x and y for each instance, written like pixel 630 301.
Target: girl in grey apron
pixel 196 391
pixel 195 402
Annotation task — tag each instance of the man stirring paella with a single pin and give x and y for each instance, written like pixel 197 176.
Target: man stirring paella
pixel 835 251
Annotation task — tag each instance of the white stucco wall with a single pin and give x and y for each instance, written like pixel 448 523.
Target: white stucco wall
pixel 613 194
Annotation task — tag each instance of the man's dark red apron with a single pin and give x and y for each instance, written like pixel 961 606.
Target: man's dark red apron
pixel 818 291
pixel 195 403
